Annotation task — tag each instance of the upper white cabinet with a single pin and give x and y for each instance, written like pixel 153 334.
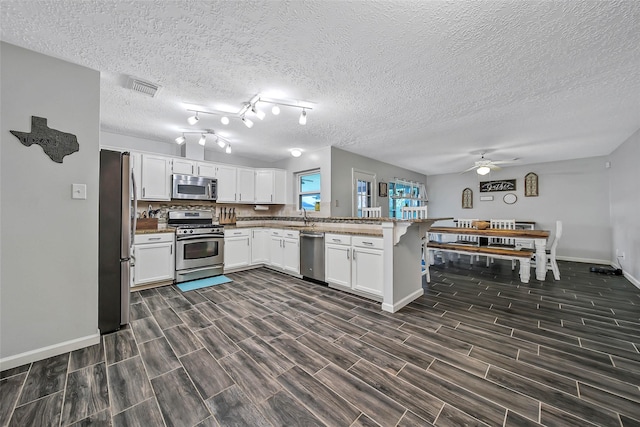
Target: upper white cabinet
pixel 155 182
pixel 227 181
pixel 245 185
pixel 207 170
pixel 270 186
pixel 183 167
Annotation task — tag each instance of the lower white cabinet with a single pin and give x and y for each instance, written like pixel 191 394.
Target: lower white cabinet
pixel 284 250
pixel 260 239
pixel 237 248
pixel 154 258
pixel 354 262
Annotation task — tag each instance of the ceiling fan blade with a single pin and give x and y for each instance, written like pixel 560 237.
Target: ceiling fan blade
pixel 502 162
pixel 467 170
pixel 493 167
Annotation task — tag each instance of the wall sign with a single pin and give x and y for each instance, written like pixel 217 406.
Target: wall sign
pixel 467 198
pixel 501 185
pixel 56 144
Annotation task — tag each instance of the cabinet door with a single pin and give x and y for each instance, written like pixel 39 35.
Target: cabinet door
pixel 156 178
pixel 264 186
pixel 291 255
pixel 154 262
pixel 207 170
pixel 337 260
pixel 259 246
pixel 183 166
pixel 279 186
pixel 246 185
pixel 226 176
pixel 135 161
pixel 367 270
pixel 237 252
pixel 276 258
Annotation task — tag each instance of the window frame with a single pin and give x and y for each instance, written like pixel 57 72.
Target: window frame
pixel 300 193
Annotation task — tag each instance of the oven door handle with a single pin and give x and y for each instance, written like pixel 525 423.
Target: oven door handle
pixel 199 237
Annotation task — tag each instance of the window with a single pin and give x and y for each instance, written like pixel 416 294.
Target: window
pixel 364 184
pixel 308 189
pixel 405 193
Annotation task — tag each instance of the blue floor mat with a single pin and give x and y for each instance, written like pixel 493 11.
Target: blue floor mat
pixel 203 283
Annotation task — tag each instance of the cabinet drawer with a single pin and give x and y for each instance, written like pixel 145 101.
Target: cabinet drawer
pixel 292 234
pixel 236 233
pixel 153 238
pixel 367 242
pixel 277 232
pixel 337 239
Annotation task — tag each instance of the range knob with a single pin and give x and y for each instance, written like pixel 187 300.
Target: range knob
pixel 190 231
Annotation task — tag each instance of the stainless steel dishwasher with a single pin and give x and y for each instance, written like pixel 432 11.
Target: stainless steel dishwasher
pixel 312 255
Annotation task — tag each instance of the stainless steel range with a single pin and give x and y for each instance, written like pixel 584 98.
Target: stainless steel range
pixel 199 245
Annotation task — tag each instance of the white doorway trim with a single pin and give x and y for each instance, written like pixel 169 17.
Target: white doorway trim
pixel 361 175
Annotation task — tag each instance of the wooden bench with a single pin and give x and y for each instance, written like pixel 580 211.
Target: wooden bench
pixel 522 255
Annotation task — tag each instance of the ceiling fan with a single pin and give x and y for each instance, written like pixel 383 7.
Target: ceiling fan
pixel 484 166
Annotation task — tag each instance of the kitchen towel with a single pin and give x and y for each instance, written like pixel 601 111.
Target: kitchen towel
pixel 203 283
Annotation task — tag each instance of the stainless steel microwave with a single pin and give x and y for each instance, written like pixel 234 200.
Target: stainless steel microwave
pixel 187 187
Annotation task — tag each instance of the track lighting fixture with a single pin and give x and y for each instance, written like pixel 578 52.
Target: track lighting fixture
pixel 202 139
pixel 257 112
pixel 193 119
pixel 248 123
pixel 228 150
pixel 180 139
pixel 221 143
pixel 275 110
pixel 483 170
pixel 303 117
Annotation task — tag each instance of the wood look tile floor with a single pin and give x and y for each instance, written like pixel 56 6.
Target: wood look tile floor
pixel 479 348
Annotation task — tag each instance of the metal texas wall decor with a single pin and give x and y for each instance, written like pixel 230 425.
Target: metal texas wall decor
pixel 467 198
pixel 56 144
pixel 531 185
pixel 501 185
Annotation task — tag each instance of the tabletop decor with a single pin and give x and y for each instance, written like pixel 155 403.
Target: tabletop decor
pixel 467 198
pixel 56 144
pixel 531 185
pixel 501 185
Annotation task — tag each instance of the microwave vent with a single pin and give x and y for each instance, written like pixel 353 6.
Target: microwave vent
pixel 140 86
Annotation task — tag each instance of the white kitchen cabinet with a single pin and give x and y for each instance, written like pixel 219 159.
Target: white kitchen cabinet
pixel 260 240
pixel 207 170
pixel 270 186
pixel 155 179
pixel 183 166
pixel 227 181
pixel 245 185
pixel 154 258
pixel 237 249
pixel 284 250
pixel 354 262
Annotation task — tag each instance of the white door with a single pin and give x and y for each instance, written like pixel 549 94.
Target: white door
pixel 182 166
pixel 338 264
pixel 237 252
pixel 291 255
pixel 259 246
pixel 364 194
pixel 276 257
pixel 156 177
pixel 246 185
pixel 226 176
pixel 367 270
pixel 154 262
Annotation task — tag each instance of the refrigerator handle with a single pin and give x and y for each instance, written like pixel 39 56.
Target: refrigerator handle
pixel 134 211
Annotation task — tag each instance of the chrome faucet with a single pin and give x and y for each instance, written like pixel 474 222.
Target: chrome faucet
pixel 304 216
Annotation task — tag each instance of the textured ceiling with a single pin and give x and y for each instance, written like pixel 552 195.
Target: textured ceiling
pixel 423 85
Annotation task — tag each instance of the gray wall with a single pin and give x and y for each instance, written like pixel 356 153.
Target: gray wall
pixel 49 247
pixel 574 191
pixel 342 163
pixel 624 193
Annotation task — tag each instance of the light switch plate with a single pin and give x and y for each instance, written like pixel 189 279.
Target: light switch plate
pixel 78 191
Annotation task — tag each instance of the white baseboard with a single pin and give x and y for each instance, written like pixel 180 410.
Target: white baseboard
pixel 585 260
pixel 392 308
pixel 49 351
pixel 628 276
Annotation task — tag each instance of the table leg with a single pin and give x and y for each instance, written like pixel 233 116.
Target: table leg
pixel 525 270
pixel 541 259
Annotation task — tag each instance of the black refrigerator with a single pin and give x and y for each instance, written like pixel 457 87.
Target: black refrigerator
pixel 116 231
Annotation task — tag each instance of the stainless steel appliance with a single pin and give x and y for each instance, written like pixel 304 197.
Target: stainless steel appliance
pixel 312 255
pixel 199 245
pixel 187 187
pixel 116 224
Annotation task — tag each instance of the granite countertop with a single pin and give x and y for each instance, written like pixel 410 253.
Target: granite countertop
pixel 161 229
pixel 322 227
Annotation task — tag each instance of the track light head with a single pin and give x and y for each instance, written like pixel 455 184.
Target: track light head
pixel 180 139
pixel 193 119
pixel 224 120
pixel 221 143
pixel 228 150
pixel 202 139
pixel 303 117
pixel 258 113
pixel 275 110
pixel 248 123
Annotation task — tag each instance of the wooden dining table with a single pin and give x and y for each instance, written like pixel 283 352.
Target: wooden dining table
pixel 538 237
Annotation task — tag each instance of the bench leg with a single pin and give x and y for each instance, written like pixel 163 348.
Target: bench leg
pixel 525 270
